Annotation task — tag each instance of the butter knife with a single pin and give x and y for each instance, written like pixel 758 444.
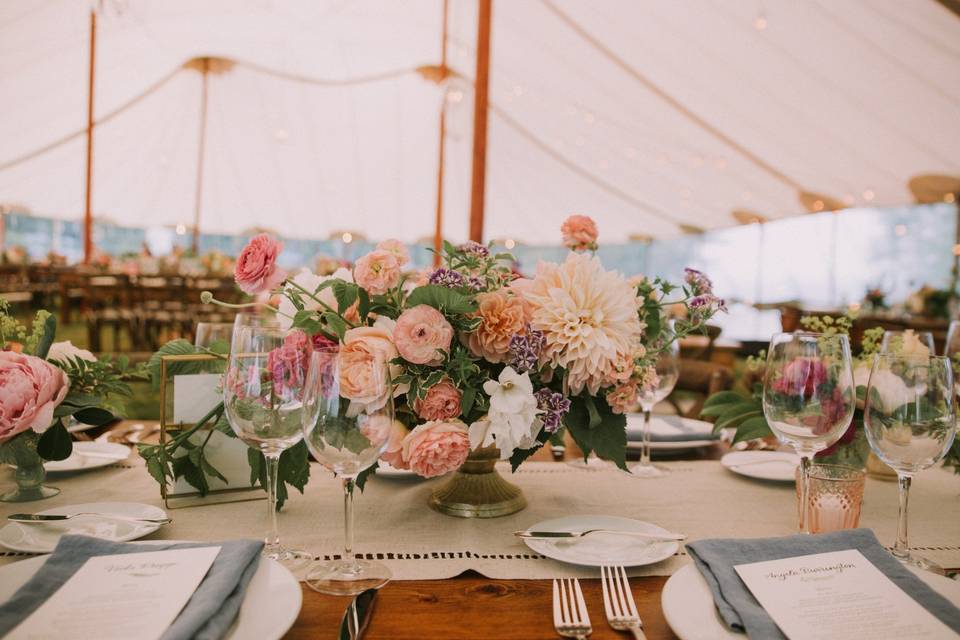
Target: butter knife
pixel 36 517
pixel 357 616
pixel 580 534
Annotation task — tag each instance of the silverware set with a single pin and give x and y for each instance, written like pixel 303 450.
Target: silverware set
pixel 36 517
pixel 570 616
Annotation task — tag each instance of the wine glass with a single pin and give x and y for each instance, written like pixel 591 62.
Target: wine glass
pixel 808 396
pixel 668 371
pixel 951 349
pixel 909 419
pixel 893 340
pixel 347 421
pixel 263 400
pixel 208 333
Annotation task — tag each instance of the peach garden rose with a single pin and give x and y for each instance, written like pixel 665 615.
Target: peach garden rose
pixel 256 269
pixel 579 233
pixel 365 354
pixel 377 272
pixel 30 389
pixel 442 402
pixel 397 248
pixel 423 335
pixel 435 448
pixel 502 316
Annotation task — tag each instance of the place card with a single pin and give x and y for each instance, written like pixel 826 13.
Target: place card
pixel 116 597
pixel 194 395
pixel 837 596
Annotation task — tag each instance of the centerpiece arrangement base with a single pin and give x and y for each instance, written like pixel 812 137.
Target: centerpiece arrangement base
pixel 477 490
pixel 30 485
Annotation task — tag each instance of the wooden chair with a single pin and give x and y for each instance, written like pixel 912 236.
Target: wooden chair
pixel 699 379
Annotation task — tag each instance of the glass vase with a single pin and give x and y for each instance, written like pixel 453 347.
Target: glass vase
pixel 29 474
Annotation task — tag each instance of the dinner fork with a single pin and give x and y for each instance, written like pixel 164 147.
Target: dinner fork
pixel 570 617
pixel 618 602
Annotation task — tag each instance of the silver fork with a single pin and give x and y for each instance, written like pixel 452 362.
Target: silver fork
pixel 618 602
pixel 570 617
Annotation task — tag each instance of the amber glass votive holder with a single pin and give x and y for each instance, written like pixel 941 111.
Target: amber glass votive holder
pixel 835 496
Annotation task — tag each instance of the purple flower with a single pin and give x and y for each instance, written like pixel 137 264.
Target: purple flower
pixel 706 303
pixel 525 350
pixel 554 407
pixel 446 278
pixel 475 248
pixel 698 281
pixel 475 283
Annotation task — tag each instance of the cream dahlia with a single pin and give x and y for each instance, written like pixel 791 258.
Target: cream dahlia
pixel 589 318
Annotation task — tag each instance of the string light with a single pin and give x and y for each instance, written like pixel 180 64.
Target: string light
pixel 950 197
pixel 848 199
pixel 347 237
pixel 868 194
pixel 509 243
pixel 760 23
pixel 900 230
pixel 818 205
pixel 181 229
pixel 455 96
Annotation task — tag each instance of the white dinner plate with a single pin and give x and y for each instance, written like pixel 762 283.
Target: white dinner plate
pixel 688 604
pixel 270 606
pixel 698 431
pixel 90 455
pixel 763 465
pixel 42 537
pixel 77 427
pixel 599 549
pixel 385 470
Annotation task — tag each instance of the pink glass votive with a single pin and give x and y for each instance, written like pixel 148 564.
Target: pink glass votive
pixel 834 497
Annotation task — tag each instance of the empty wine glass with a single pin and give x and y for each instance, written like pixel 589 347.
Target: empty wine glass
pixel 208 333
pixel 668 370
pixel 951 349
pixel 808 396
pixel 896 341
pixel 263 400
pixel 347 421
pixel 909 419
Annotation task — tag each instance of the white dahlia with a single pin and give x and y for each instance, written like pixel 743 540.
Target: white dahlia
pixel 589 318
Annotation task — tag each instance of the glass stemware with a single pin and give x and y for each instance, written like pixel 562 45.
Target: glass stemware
pixel 347 423
pixel 808 396
pixel 209 333
pixel 951 349
pixel 668 371
pixel 893 341
pixel 909 418
pixel 263 400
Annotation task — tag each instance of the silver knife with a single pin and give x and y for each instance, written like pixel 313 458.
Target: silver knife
pixel 580 534
pixel 357 616
pixel 36 517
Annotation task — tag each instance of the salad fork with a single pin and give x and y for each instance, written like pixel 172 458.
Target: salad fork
pixel 570 617
pixel 618 602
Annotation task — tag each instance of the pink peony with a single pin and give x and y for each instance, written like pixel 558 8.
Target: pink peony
pixel 30 389
pixel 579 233
pixel 801 377
pixel 288 363
pixel 256 269
pixel 442 402
pixel 364 360
pixel 423 335
pixel 397 248
pixel 502 316
pixel 435 448
pixel 377 272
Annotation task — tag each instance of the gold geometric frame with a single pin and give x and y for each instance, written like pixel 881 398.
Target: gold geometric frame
pixel 193 498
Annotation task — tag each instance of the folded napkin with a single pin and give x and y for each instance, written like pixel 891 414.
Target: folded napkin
pixel 716 558
pixel 206 616
pixel 684 432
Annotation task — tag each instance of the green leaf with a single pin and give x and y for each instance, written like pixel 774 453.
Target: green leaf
pixel 592 413
pixel 94 416
pixel 608 439
pixel 443 299
pixel 736 414
pixel 466 400
pixel 49 333
pixel 210 470
pixel 364 307
pixel 751 429
pixel 156 469
pixel 255 460
pixel 185 467
pixel 722 398
pixel 180 347
pixel 55 443
pixel 345 293
pixel 361 480
pixel 336 323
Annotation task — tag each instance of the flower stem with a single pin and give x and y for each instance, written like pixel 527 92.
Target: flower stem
pixel 319 301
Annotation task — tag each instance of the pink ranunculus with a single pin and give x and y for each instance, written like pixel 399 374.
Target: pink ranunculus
pixel 423 335
pixel 377 272
pixel 579 233
pixel 397 248
pixel 256 269
pixel 435 448
pixel 442 402
pixel 30 389
pixel 365 355
pixel 393 453
pixel 801 377
pixel 502 315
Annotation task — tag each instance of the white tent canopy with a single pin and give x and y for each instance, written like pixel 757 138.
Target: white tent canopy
pixel 646 115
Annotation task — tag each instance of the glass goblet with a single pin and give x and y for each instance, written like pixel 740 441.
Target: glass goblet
pixel 893 341
pixel 347 421
pixel 808 396
pixel 208 333
pixel 263 400
pixel 668 371
pixel 951 349
pixel 909 418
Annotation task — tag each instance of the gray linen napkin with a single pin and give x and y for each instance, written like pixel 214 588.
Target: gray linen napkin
pixel 716 558
pixel 206 616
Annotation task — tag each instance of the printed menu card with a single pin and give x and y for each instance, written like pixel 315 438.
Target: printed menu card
pixel 838 595
pixel 130 595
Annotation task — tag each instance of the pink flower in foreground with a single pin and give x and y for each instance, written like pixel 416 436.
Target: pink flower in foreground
pixel 397 248
pixel 435 448
pixel 30 389
pixel 393 453
pixel 801 377
pixel 423 335
pixel 579 233
pixel 442 402
pixel 256 269
pixel 288 363
pixel 377 272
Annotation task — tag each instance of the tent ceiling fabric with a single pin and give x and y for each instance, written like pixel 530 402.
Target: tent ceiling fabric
pixel 653 117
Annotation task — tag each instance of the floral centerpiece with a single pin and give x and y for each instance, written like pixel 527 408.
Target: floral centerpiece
pixel 42 385
pixel 485 364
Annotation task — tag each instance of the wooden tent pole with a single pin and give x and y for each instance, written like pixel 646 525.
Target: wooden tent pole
pixel 480 105
pixel 438 222
pixel 87 210
pixel 201 145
